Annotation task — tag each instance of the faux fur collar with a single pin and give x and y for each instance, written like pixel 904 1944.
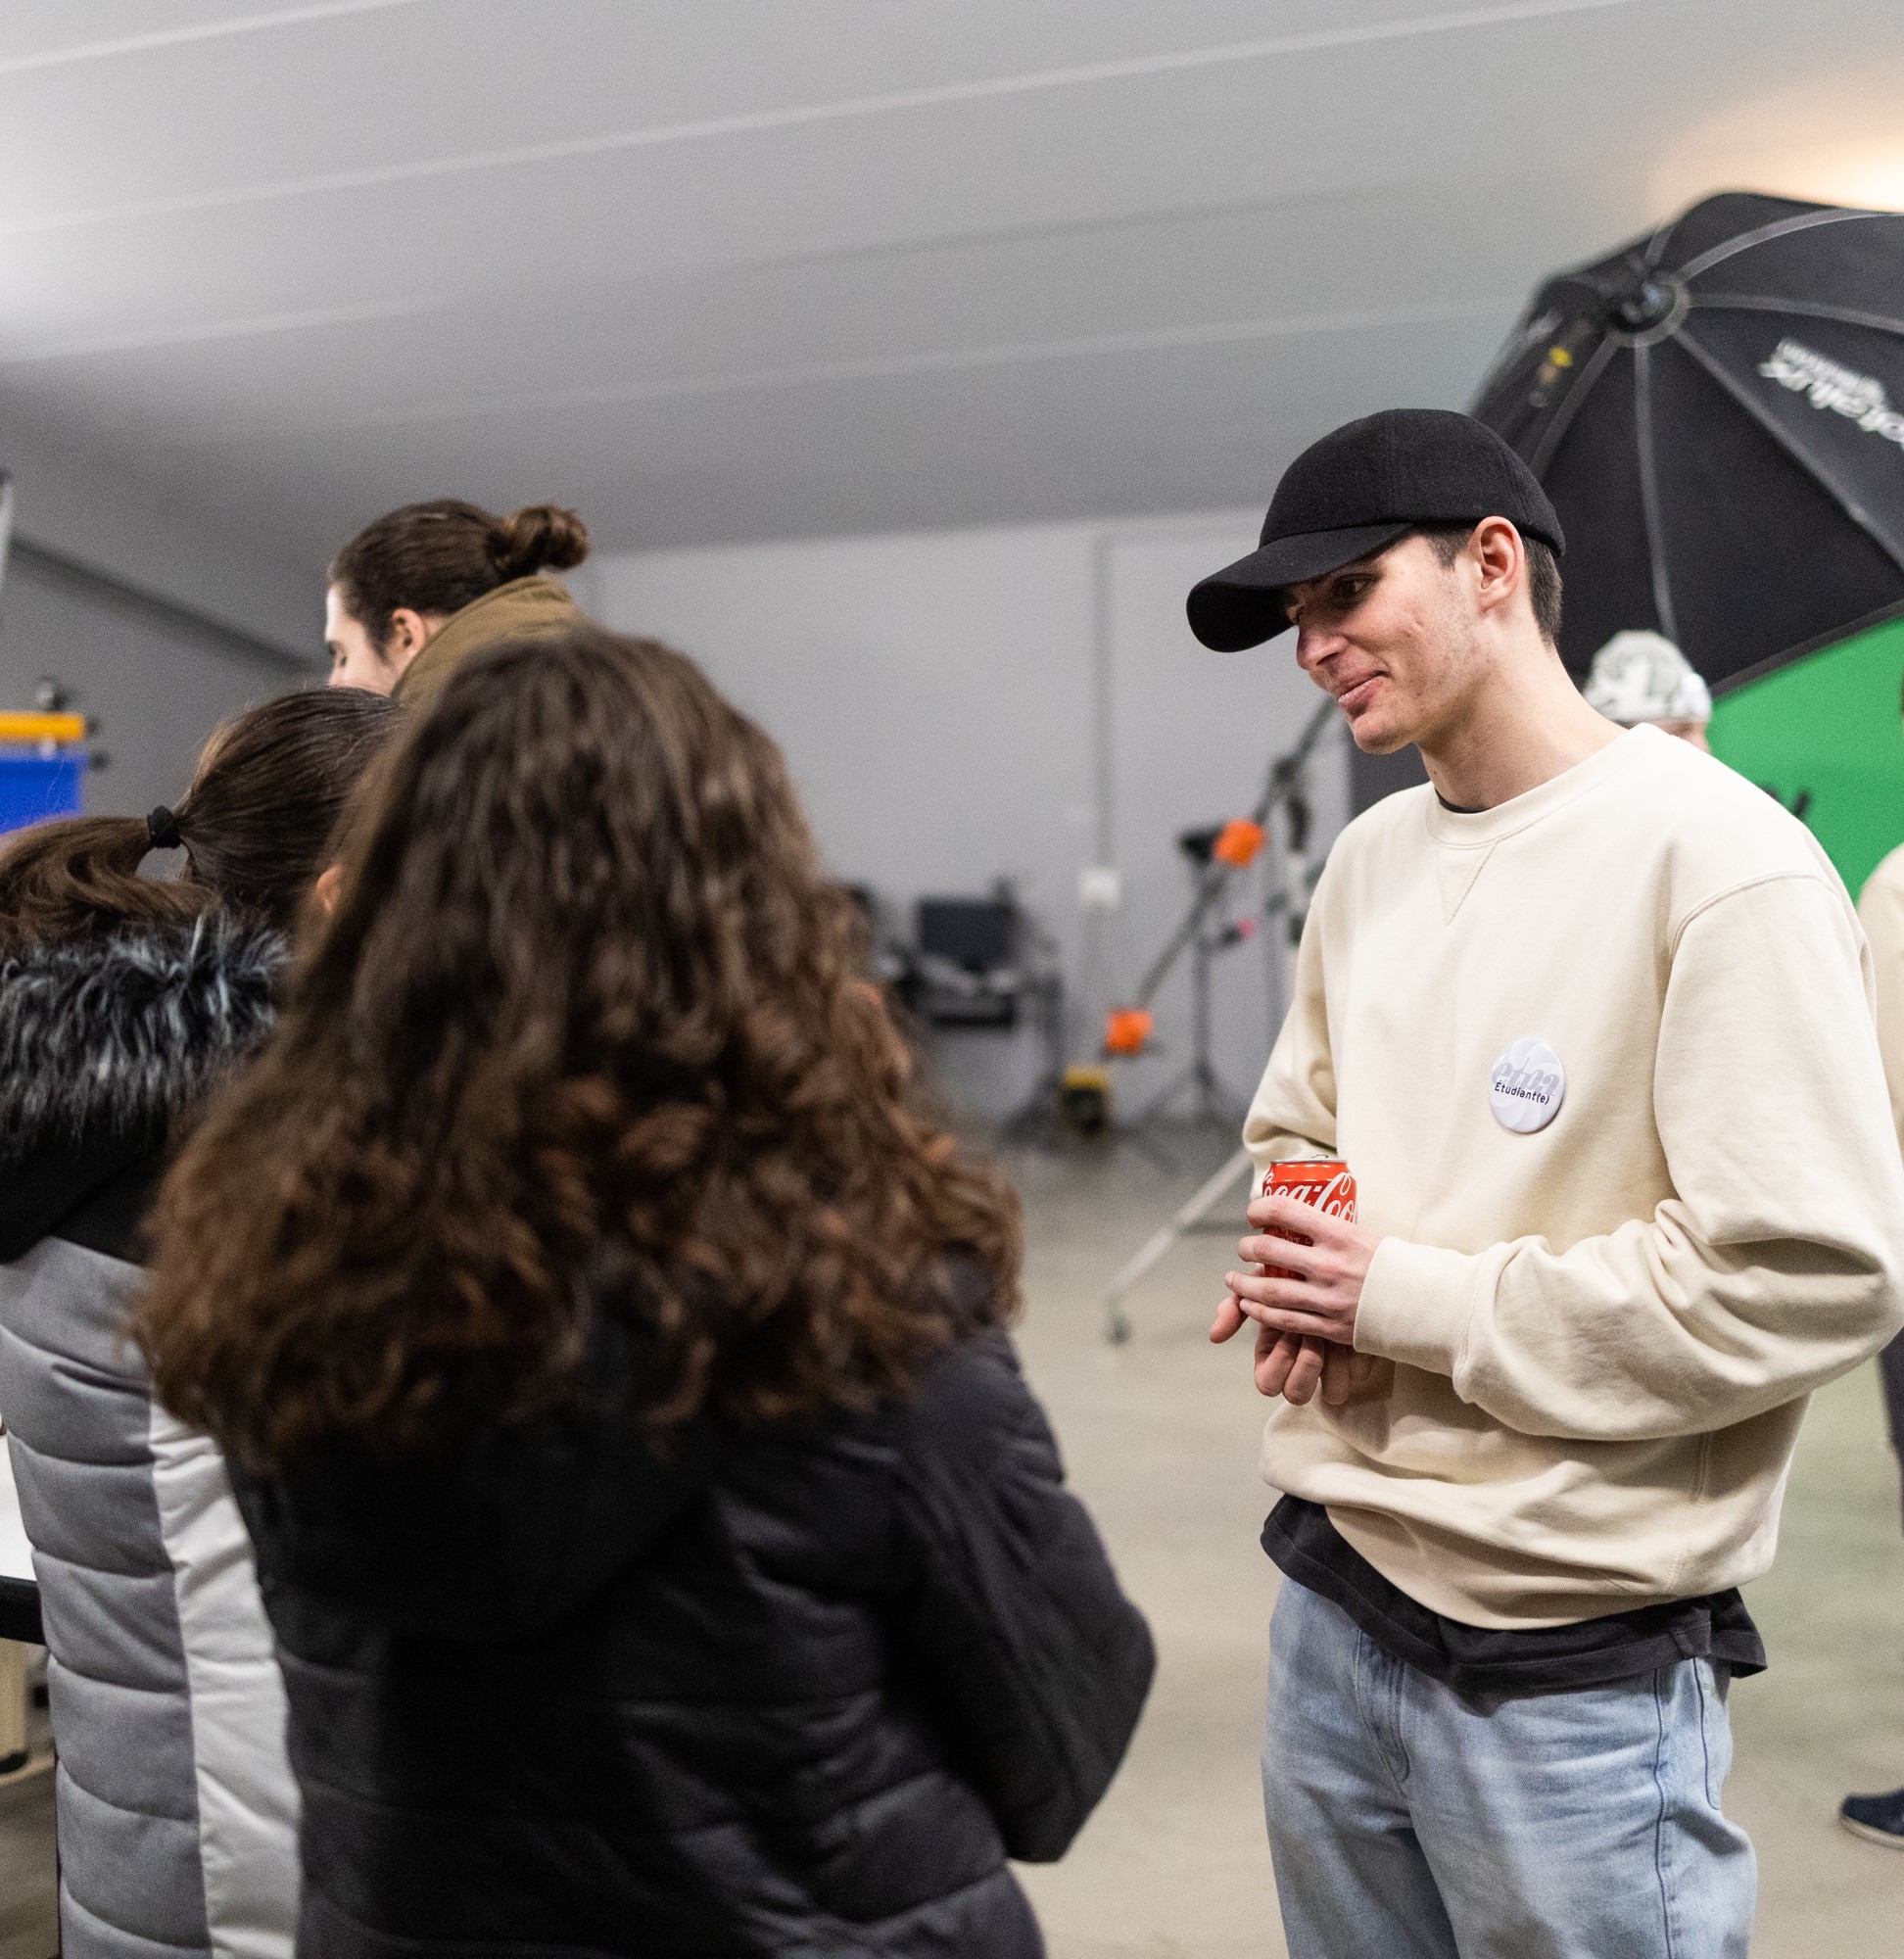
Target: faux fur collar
pixel 105 1042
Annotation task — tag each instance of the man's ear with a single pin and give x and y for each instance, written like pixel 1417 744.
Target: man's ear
pixel 330 881
pixel 409 632
pixel 1499 560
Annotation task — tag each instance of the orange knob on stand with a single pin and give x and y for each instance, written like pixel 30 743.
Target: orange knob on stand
pixel 1237 844
pixel 1128 1030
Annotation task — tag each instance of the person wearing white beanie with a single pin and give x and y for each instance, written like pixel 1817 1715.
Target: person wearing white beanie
pixel 1880 1818
pixel 1643 677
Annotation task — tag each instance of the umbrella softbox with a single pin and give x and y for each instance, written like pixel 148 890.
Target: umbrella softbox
pixel 1717 411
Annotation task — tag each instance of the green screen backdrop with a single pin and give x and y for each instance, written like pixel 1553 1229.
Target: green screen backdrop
pixel 1829 725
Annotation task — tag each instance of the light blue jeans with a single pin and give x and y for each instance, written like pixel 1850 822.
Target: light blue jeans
pixel 1407 1823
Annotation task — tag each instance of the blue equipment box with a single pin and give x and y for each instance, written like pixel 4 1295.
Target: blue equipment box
pixel 34 787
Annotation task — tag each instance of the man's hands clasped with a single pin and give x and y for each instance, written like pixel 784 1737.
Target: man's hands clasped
pixel 1306 1310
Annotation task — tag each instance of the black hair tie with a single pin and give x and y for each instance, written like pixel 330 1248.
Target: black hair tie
pixel 162 830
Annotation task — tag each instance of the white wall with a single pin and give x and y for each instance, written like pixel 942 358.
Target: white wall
pixel 961 705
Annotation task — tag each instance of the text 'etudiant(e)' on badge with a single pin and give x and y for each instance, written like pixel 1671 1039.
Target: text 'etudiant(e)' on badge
pixel 1528 1086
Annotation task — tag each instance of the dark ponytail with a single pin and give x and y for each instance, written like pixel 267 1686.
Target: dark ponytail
pixel 437 557
pixel 60 878
pixel 255 826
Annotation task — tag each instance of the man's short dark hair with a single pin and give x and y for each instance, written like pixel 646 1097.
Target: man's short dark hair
pixel 1543 573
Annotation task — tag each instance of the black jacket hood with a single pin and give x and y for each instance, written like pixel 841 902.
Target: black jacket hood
pixel 105 1043
pixel 495 1532
pixel 506 1525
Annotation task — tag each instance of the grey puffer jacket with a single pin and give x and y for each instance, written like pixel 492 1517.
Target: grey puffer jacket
pixel 177 1813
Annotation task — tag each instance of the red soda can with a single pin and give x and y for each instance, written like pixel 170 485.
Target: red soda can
pixel 1324 1181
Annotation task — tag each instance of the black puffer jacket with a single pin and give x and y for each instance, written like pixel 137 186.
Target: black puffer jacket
pixel 793 1691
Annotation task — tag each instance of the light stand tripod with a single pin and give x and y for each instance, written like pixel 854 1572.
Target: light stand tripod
pixel 1211 1102
pixel 1285 904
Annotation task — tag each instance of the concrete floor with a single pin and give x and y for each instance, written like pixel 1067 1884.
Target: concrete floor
pixel 1160 1438
pixel 28 1914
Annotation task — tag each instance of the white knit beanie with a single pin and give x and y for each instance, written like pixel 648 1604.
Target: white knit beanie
pixel 1643 677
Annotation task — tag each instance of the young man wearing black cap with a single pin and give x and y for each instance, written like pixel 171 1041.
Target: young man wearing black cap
pixel 1589 1017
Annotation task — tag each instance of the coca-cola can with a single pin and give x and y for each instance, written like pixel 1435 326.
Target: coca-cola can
pixel 1324 1181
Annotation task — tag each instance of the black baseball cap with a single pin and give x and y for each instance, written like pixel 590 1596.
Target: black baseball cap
pixel 1353 494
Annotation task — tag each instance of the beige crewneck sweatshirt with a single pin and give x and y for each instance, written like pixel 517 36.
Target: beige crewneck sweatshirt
pixel 1881 910
pixel 1604 1328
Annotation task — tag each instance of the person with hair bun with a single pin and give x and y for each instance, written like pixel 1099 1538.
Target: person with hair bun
pixel 411 596
pixel 123 1000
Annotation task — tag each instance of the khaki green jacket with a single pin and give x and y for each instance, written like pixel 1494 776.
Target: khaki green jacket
pixel 524 608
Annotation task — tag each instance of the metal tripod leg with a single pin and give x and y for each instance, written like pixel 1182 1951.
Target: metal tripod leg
pixel 1117 1322
pixel 1214 1104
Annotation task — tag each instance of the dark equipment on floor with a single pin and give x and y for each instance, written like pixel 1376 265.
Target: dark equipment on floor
pixel 1085 1102
pixel 1717 411
pixel 967 967
pixel 986 964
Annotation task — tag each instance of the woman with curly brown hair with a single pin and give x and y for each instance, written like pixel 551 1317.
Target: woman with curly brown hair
pixel 665 1554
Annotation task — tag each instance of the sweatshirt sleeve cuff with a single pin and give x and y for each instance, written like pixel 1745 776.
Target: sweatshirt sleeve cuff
pixel 1416 1304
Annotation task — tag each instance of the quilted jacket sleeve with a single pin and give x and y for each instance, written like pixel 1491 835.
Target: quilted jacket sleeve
pixel 1039 1662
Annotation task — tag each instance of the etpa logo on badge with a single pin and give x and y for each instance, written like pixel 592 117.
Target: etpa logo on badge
pixel 1528 1086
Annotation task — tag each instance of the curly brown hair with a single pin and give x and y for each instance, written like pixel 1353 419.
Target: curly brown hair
pixel 587 1031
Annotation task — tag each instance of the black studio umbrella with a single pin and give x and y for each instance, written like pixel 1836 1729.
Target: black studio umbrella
pixel 1714 412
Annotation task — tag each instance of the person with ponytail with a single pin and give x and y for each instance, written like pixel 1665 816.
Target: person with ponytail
pixel 267 794
pixel 414 596
pixel 123 1000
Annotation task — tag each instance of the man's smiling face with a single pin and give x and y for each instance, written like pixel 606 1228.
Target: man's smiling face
pixel 1392 639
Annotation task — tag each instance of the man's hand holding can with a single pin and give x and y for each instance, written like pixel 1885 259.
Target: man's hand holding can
pixel 1306 1263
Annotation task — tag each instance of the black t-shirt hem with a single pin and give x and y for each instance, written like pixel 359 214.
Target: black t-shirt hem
pixel 1481 1660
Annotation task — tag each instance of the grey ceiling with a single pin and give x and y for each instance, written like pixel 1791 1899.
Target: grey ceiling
pixel 735 268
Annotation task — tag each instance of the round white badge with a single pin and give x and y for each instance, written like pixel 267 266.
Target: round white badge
pixel 1528 1086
